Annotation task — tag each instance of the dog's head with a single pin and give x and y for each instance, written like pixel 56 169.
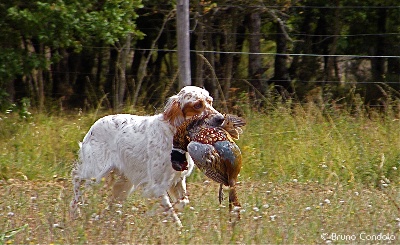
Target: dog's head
pixel 189 102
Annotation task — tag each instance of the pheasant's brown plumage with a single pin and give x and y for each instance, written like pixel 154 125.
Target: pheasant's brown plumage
pixel 210 143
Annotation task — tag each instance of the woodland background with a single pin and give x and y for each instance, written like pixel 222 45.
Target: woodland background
pixel 317 82
pixel 84 54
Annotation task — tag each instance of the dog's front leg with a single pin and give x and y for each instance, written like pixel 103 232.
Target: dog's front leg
pixel 166 204
pixel 178 194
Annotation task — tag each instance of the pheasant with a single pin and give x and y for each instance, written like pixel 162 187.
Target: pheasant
pixel 209 140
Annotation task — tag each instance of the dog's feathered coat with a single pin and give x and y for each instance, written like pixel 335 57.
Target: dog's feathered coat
pixel 138 149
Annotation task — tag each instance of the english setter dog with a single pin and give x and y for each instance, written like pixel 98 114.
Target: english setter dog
pixel 138 149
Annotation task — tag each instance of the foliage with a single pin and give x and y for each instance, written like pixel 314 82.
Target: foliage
pixel 71 40
pixel 36 33
pixel 65 24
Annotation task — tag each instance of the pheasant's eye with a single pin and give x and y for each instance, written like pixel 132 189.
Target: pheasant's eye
pixel 198 105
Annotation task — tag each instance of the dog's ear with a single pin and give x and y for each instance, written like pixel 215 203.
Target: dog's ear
pixel 173 112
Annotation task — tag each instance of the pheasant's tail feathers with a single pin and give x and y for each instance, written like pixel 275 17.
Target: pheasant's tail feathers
pixel 216 176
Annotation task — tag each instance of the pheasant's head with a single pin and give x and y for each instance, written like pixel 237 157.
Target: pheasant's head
pixel 198 122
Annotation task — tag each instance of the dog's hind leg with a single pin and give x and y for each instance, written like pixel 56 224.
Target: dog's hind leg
pixel 121 188
pixel 76 182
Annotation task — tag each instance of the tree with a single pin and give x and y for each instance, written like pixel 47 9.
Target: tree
pixel 255 67
pixel 48 31
pixel 81 53
pixel 182 26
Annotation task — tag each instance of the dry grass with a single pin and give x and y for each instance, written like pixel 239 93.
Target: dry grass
pixel 272 213
pixel 308 177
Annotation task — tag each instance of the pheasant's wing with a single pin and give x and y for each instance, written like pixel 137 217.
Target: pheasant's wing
pixel 233 125
pixel 207 160
pixel 229 151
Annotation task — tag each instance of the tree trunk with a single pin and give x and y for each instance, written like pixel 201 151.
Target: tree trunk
pixel 142 70
pixel 378 63
pixel 281 75
pixel 120 79
pixel 213 82
pixel 393 70
pixel 374 92
pixel 228 45
pixel 199 60
pixel 41 95
pixel 39 81
pixel 110 85
pixel 331 71
pixel 255 69
pixel 183 38
pixel 117 82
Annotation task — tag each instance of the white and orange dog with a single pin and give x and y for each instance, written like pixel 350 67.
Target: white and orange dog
pixel 138 149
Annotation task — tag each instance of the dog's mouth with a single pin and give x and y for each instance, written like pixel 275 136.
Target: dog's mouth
pixel 178 160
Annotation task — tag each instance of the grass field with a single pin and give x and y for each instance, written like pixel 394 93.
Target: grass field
pixel 308 176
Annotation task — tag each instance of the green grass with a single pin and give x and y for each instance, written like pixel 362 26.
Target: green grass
pixel 287 144
pixel 307 176
pixel 40 147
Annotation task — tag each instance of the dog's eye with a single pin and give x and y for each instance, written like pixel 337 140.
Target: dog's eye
pixel 198 105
